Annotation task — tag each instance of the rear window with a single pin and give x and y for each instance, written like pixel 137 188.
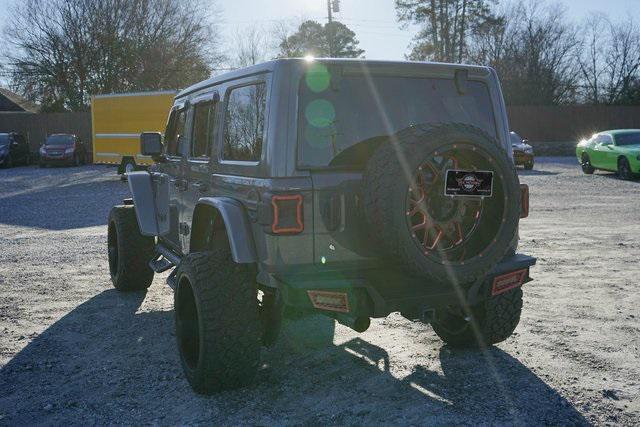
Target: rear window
pixel 335 116
pixel 631 138
pixel 244 123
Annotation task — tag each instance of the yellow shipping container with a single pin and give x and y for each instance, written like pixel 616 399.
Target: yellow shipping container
pixel 119 119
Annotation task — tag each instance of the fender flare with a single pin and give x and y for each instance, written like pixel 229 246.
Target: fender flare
pixel 236 224
pixel 144 200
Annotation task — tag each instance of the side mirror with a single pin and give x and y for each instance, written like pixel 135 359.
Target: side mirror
pixel 151 144
pixel 525 141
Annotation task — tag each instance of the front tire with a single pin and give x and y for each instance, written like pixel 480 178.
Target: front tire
pixel 587 168
pixel 129 251
pixel 528 165
pixel 491 322
pixel 217 322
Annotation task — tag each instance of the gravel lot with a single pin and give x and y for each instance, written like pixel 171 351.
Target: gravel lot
pixel 74 350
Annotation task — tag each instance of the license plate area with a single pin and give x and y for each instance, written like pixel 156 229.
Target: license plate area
pixel 468 183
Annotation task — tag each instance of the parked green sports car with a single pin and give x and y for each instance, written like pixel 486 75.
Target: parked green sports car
pixel 612 150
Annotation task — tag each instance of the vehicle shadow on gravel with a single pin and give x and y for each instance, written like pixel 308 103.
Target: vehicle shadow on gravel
pixel 63 207
pixel 535 172
pixel 110 361
pixel 614 176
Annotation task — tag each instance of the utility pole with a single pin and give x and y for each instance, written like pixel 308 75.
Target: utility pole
pixel 330 29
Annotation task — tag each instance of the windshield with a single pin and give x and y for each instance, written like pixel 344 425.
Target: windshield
pixel 632 138
pixel 4 139
pixel 59 140
pixel 515 138
pixel 335 116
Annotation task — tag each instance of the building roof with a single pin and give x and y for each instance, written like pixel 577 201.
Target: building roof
pixel 12 102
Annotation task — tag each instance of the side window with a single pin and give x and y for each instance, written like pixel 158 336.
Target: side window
pixel 204 116
pixel 174 135
pixel 244 123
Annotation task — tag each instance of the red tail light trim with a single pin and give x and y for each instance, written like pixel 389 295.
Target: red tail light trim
pixel 275 226
pixel 331 301
pixel 524 200
pixel 508 281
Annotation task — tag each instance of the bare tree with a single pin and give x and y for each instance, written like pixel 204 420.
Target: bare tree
pixel 249 46
pixel 622 62
pixel 534 48
pixel 65 50
pixel 445 26
pixel 596 37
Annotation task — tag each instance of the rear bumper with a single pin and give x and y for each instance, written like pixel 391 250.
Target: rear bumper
pixel 66 160
pixel 379 293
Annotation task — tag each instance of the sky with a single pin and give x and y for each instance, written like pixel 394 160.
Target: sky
pixel 373 21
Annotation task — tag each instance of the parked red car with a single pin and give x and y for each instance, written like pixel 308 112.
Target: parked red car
pixel 62 149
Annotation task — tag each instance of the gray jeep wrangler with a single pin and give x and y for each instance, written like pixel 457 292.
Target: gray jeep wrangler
pixel 350 188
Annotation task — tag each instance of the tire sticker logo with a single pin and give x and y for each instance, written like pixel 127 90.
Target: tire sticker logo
pixel 469 182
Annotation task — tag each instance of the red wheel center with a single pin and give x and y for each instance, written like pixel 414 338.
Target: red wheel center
pixel 438 222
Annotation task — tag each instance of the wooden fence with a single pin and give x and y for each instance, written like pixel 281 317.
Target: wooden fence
pixel 36 127
pixel 570 122
pixel 553 130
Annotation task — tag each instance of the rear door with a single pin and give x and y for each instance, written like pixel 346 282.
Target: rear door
pixel 174 146
pixel 199 153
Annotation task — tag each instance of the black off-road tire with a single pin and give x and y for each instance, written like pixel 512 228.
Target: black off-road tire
pixel 127 165
pixel 491 322
pixel 217 323
pixel 587 168
pixel 528 165
pixel 129 251
pixel 385 189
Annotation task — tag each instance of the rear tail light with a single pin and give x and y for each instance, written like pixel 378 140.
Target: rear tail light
pixel 332 301
pixel 524 200
pixel 508 281
pixel 287 214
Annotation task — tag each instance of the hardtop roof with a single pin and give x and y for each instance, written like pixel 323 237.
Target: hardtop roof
pixel 272 65
pixel 614 132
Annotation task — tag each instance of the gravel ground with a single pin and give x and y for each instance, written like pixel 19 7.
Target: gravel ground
pixel 73 350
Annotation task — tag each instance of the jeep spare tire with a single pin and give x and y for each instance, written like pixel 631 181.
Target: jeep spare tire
pixel 451 229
